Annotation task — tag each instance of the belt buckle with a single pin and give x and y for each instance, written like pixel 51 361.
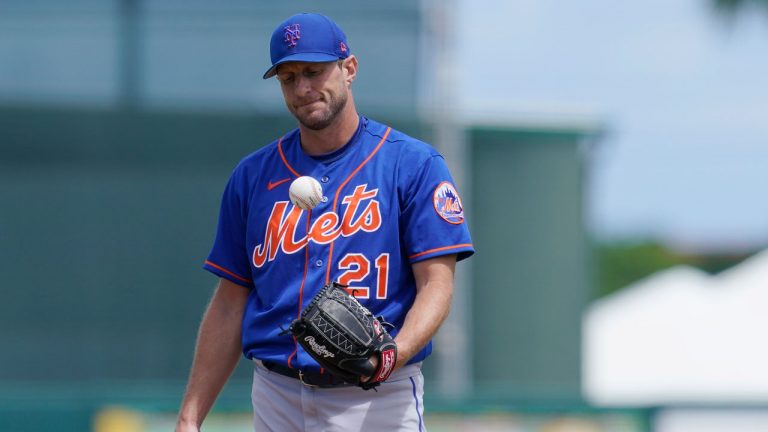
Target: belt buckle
pixel 301 378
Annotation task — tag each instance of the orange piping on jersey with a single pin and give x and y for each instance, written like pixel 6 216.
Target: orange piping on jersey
pixel 285 161
pixel 336 198
pixel 272 185
pixel 295 349
pixel 228 272
pixel 306 256
pixel 440 249
pixel 301 290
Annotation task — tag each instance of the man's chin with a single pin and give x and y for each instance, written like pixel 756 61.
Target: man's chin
pixel 320 117
pixel 315 122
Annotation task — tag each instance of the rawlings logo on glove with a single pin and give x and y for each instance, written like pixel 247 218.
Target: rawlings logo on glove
pixel 319 349
pixel 342 335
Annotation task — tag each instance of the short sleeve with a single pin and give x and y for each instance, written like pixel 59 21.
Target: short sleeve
pixel 432 220
pixel 229 256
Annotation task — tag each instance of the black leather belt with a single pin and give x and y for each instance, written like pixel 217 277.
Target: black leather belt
pixel 312 379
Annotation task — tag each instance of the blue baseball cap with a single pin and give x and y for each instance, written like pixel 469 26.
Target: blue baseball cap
pixel 306 37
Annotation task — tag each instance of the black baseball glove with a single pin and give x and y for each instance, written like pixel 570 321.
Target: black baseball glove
pixel 342 335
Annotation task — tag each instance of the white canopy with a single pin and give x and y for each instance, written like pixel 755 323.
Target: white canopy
pixel 681 336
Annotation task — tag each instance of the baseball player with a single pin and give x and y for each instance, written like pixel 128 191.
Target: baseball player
pixel 390 226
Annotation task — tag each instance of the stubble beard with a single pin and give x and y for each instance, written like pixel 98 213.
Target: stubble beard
pixel 335 106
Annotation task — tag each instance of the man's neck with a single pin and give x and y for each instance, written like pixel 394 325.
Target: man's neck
pixel 320 142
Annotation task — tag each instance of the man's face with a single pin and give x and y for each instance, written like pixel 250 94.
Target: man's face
pixel 315 93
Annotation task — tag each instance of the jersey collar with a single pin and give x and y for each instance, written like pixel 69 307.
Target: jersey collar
pixel 340 152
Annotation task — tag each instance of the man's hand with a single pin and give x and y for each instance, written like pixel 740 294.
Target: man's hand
pixel 374 361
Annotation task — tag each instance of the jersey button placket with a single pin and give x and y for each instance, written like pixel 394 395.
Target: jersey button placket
pixel 324 179
pixel 322 250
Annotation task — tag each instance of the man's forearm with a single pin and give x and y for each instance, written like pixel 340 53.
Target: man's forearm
pixel 428 312
pixel 217 352
pixel 434 280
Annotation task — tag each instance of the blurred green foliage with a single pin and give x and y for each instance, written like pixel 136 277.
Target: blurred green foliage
pixel 730 8
pixel 619 264
pixel 733 5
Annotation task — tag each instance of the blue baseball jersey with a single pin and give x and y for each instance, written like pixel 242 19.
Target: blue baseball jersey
pixel 388 202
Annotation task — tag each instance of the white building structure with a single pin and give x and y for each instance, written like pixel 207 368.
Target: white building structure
pixel 681 336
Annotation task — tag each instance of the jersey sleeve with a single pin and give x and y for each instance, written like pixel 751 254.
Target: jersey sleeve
pixel 229 256
pixel 432 220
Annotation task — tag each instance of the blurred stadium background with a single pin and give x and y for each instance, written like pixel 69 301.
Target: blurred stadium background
pixel 120 121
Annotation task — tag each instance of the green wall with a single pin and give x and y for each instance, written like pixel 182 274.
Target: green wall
pixel 105 219
pixel 529 279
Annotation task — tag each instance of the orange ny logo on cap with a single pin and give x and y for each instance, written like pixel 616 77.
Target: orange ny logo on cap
pixel 292 34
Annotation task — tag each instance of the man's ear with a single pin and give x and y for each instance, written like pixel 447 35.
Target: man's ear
pixel 349 66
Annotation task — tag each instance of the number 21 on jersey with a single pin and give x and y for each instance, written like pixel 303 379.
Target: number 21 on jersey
pixel 357 268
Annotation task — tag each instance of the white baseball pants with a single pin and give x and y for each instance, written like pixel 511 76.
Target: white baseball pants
pixel 283 404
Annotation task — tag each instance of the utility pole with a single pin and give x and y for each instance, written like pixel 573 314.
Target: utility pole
pixel 129 54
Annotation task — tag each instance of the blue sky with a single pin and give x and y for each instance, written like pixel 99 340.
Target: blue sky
pixel 683 98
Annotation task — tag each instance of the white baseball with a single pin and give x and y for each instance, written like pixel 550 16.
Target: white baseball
pixel 305 192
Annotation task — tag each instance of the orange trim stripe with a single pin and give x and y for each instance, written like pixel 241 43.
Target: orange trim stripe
pixel 228 272
pixel 285 161
pixel 293 354
pixel 301 291
pixel 271 185
pixel 306 255
pixel 440 249
pixel 338 191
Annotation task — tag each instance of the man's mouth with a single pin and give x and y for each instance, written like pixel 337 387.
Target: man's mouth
pixel 306 104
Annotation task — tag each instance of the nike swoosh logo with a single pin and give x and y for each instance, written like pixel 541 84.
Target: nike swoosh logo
pixel 271 185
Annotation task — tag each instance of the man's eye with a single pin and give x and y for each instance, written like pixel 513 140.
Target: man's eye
pixel 286 79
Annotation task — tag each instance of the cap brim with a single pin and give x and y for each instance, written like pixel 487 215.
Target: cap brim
pixel 301 57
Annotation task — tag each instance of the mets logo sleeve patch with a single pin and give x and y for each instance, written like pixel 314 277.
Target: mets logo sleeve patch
pixel 448 203
pixel 433 214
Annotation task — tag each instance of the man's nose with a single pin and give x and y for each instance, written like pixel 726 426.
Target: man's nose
pixel 303 85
